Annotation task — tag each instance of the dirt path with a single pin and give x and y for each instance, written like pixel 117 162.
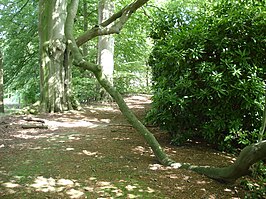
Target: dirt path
pixel 96 154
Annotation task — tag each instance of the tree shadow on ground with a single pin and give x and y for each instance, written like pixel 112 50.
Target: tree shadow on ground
pixel 96 154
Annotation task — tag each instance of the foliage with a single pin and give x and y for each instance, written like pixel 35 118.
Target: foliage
pixel 257 188
pixel 132 49
pixel 131 53
pixel 85 87
pixel 19 39
pixel 132 78
pixel 20 44
pixel 207 67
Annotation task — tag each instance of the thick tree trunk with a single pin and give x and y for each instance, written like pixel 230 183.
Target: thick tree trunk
pixel 45 27
pixel 2 109
pixel 106 42
pixel 57 54
pixel 55 70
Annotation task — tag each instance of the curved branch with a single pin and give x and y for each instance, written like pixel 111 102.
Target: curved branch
pixel 248 156
pixel 118 20
pixel 78 58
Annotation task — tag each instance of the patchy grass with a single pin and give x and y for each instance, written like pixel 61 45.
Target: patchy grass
pixel 96 154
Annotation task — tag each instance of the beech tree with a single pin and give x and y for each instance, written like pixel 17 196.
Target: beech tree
pixel 106 42
pixel 55 67
pixel 55 39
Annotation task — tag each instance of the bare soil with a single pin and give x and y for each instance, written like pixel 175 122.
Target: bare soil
pixel 95 153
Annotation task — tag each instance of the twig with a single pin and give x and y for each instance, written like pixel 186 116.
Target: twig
pixel 34 120
pixel 31 126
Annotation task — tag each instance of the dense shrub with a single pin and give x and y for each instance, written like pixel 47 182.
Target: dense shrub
pixel 208 71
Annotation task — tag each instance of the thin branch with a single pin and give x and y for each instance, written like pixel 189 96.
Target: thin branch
pixel 34 120
pixel 25 4
pixel 263 125
pixel 34 126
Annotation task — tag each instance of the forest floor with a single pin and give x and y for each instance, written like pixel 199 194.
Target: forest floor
pixel 95 153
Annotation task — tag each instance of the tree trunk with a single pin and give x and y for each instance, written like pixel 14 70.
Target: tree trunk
pixel 2 109
pixel 106 44
pixel 55 66
pixel 133 120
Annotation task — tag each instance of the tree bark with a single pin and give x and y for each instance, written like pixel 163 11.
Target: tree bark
pixel 45 27
pixel 106 44
pixel 85 26
pixel 55 65
pixel 133 120
pixel 2 109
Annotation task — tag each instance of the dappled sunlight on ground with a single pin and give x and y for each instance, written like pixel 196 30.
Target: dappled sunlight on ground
pixel 138 101
pixel 225 155
pixel 76 189
pixel 155 167
pixel 31 134
pixel 95 153
pixel 54 125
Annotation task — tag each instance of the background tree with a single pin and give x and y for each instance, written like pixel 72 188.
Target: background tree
pixel 113 25
pixel 106 42
pixel 132 48
pixel 19 30
pixel 21 48
pixel 1 84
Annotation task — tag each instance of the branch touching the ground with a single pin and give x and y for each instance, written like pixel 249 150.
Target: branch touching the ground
pixel 113 25
pixel 247 157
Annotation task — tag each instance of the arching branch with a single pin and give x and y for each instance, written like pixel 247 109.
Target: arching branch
pixel 247 157
pixel 112 25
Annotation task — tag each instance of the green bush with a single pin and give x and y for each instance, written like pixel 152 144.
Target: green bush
pixel 256 187
pixel 208 71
